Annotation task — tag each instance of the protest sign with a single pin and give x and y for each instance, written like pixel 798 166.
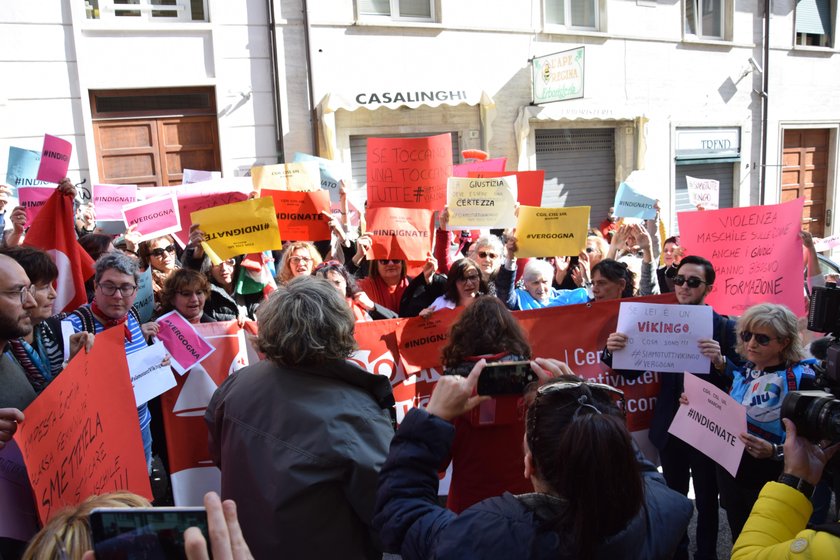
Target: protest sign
pixel 629 203
pixel 154 217
pixel 190 466
pixel 298 176
pixel 826 243
pixel 711 423
pixel 299 214
pixel 22 169
pixel 549 232
pixel 491 165
pixel 207 194
pixel 331 172
pixel 703 193
pixel 144 302
pixel 529 184
pixel 477 203
pixel 55 159
pixel 190 176
pixel 756 251
pixel 186 347
pixel 150 376
pixel 400 233
pixel 238 229
pixel 81 435
pixel 420 340
pixel 663 338
pixel 18 519
pixel 33 199
pixel 408 172
pixel 108 200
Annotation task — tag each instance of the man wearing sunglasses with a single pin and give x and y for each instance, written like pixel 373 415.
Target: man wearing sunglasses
pixel 692 283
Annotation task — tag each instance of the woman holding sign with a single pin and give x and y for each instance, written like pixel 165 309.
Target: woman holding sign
pixel 159 254
pixel 463 284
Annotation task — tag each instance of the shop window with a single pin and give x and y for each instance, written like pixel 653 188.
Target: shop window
pixel 397 10
pixel 158 11
pixel 573 14
pixel 706 19
pixel 814 22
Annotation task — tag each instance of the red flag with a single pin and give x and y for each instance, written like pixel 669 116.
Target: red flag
pixel 52 231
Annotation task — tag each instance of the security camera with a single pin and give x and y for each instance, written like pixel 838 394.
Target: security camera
pixel 755 65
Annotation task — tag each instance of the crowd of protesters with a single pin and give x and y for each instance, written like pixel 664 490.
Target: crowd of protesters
pixel 305 439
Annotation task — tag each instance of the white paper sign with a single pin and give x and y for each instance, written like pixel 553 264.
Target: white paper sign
pixel 148 377
pixel 711 423
pixel 703 192
pixel 662 337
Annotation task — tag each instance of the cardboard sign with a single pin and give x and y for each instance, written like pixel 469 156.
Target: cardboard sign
pixel 663 338
pixel 81 435
pixel 190 176
pixel 148 377
pixel 332 173
pixel 18 519
pixel 478 203
pixel 703 193
pixel 408 172
pixel 22 169
pixel 55 159
pixel 299 176
pixel 186 347
pixel 491 165
pixel 299 214
pixel 711 423
pixel 630 203
pixel 207 194
pixel 110 199
pixel 400 233
pixel 529 184
pixel 239 228
pixel 33 199
pixel 154 217
pixel 549 232
pixel 420 341
pixel 756 251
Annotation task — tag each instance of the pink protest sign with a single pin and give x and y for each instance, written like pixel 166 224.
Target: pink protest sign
pixel 711 423
pixel 55 159
pixel 207 194
pixel 109 200
pixel 154 217
pixel 32 199
pixel 464 169
pixel 183 342
pixel 756 252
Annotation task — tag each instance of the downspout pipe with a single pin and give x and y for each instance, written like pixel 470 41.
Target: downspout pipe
pixel 275 83
pixel 765 103
pixel 313 117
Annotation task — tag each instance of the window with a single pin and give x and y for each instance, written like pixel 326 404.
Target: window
pixel 574 14
pixel 705 18
pixel 398 10
pixel 147 10
pixel 814 23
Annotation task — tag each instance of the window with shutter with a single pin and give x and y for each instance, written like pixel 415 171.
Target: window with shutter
pixel 574 14
pixel 814 22
pixel 705 19
pixel 397 10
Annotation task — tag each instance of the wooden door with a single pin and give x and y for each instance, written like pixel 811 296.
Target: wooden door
pixel 805 173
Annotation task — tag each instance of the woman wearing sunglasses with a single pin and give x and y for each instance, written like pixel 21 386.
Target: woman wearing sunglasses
pixel 463 284
pixel 594 495
pixel 160 255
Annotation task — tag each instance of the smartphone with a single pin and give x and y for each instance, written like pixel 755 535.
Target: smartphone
pixel 505 378
pixel 144 533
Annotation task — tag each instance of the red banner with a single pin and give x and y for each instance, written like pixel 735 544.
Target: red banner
pixel 299 214
pixel 400 233
pixel 421 340
pixel 529 184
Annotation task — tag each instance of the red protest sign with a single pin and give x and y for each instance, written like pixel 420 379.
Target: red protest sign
pixel 488 165
pixel 408 172
pixel 756 252
pixel 299 214
pixel 421 340
pixel 400 233
pixel 81 435
pixel 529 184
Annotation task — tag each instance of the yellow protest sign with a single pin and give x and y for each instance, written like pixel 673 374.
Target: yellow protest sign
pixel 298 176
pixel 478 203
pixel 238 229
pixel 549 232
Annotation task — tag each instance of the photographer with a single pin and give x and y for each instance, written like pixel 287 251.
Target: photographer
pixel 776 527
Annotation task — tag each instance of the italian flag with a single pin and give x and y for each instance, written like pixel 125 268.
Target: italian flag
pixel 256 274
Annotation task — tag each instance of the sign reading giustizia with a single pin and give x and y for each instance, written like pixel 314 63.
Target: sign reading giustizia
pixel 558 76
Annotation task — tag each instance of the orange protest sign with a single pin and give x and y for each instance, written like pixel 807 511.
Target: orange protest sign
pixel 299 214
pixel 529 184
pixel 421 340
pixel 81 435
pixel 400 233
pixel 408 172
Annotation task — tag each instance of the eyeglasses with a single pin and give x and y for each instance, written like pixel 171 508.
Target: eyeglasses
pixel 692 281
pixel 486 255
pixel 471 278
pixel 160 252
pixel 584 400
pixel 229 262
pixel 590 249
pixel 111 289
pixel 762 339
pixel 22 292
pixel 297 260
pixel 390 261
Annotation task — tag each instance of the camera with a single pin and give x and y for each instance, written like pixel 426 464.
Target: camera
pixel 499 378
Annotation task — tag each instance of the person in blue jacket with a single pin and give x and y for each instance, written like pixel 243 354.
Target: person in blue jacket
pixel 595 496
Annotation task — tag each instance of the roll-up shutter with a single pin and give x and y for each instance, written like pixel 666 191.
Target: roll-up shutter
pixel 579 165
pixel 721 172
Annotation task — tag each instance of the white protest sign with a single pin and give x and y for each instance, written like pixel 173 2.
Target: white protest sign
pixel 148 377
pixel 477 203
pixel 711 423
pixel 663 337
pixel 826 243
pixel 703 192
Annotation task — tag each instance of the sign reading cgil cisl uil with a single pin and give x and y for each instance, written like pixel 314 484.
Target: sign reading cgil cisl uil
pixel 558 76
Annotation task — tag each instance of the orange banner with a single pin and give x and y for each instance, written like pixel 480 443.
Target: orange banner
pixel 400 233
pixel 81 435
pixel 529 184
pixel 408 172
pixel 421 340
pixel 299 214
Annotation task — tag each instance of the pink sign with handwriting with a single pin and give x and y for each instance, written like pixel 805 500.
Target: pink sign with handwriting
pixel 32 199
pixel 110 199
pixel 183 342
pixel 55 159
pixel 154 217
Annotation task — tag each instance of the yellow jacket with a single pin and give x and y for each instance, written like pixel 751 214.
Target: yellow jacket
pixel 776 529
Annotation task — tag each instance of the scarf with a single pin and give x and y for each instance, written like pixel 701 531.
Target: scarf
pixel 107 322
pixel 31 363
pixel 381 293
